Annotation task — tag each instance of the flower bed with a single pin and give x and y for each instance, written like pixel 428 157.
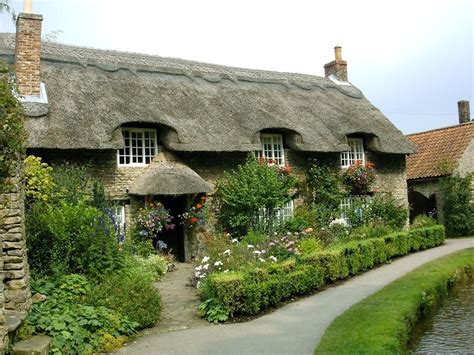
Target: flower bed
pixel 251 291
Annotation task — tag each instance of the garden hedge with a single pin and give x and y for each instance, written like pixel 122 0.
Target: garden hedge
pixel 249 292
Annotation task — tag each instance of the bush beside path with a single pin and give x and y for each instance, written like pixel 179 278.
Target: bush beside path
pixel 297 327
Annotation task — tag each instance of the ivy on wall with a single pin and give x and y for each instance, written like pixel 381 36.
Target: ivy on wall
pixel 13 136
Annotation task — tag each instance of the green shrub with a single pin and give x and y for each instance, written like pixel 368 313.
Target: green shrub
pixel 309 245
pixel 458 208
pixel 130 293
pixel 255 188
pixel 39 180
pixel 382 209
pixel 422 221
pixel 71 238
pixel 76 327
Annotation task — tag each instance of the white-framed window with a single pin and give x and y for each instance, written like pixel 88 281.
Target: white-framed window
pixel 355 153
pixel 350 203
pixel 281 214
pixel 272 148
pixel 285 213
pixel 118 214
pixel 140 147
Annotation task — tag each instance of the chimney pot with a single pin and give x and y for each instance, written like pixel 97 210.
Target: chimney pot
pixel 337 52
pixel 28 6
pixel 464 112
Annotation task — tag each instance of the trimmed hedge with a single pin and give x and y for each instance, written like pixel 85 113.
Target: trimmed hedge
pixel 249 292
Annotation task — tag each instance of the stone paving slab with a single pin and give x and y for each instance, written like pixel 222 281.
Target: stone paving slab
pixel 295 328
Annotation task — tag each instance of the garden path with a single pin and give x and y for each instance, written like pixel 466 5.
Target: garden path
pixel 179 302
pixel 295 328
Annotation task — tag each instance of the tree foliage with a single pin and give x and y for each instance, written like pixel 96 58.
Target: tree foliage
pixel 12 139
pixel 254 189
pixel 458 207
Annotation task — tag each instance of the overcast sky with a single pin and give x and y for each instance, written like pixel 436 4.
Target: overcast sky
pixel 412 59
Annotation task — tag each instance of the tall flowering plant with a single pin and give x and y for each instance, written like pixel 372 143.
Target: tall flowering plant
pixel 195 215
pixel 152 219
pixel 359 177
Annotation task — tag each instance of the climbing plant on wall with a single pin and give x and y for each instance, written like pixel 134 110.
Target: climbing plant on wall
pixel 12 138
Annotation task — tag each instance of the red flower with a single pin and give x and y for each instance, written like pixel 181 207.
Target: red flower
pixel 194 220
pixel 198 205
pixel 203 198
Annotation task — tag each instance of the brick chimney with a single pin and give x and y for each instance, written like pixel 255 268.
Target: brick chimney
pixel 464 112
pixel 338 67
pixel 27 51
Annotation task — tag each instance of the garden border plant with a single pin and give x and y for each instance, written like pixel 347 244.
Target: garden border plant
pixel 251 291
pixel 396 309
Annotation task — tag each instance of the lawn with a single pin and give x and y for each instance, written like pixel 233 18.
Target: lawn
pixel 382 323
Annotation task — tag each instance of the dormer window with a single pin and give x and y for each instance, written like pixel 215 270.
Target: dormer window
pixel 140 147
pixel 356 152
pixel 272 148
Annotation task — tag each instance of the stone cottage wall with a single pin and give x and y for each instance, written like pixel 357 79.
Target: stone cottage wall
pixel 211 166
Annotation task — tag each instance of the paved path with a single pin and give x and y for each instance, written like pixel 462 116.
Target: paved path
pixel 179 301
pixel 295 328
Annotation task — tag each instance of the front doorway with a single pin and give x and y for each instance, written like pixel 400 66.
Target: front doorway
pixel 174 238
pixel 420 205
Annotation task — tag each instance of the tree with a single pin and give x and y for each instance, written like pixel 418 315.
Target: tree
pixel 250 196
pixel 6 7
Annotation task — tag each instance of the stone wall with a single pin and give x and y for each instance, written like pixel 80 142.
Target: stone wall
pixel 15 286
pixel 211 166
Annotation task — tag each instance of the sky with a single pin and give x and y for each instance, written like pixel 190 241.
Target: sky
pixel 413 59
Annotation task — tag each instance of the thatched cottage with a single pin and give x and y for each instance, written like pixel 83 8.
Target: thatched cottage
pixel 154 126
pixel 440 152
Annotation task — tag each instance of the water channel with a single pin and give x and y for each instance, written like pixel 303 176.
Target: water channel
pixel 451 328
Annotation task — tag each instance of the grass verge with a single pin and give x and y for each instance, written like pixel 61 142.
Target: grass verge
pixel 382 323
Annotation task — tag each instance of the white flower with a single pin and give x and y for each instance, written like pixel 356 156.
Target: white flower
pixel 205 267
pixel 226 271
pixel 339 221
pixel 227 234
pixel 250 246
pixel 218 263
pixel 202 276
pixel 235 240
pixel 263 251
pixel 205 259
pixel 198 268
pixel 197 274
pixel 275 233
pixel 273 258
pixel 258 252
pixel 198 285
pixel 226 252
pixel 261 260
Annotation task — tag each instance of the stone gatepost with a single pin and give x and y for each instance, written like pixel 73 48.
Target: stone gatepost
pixel 15 261
pixel 3 331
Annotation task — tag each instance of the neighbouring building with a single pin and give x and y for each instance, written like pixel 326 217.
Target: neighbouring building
pixel 168 128
pixel 440 152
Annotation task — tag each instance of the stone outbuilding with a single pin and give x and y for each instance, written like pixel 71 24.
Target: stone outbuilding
pixel 440 152
pixel 167 128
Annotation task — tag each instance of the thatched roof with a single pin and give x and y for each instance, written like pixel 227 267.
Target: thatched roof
pixel 199 107
pixel 168 178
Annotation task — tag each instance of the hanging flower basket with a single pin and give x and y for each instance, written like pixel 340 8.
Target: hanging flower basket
pixel 152 219
pixel 196 215
pixel 359 178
